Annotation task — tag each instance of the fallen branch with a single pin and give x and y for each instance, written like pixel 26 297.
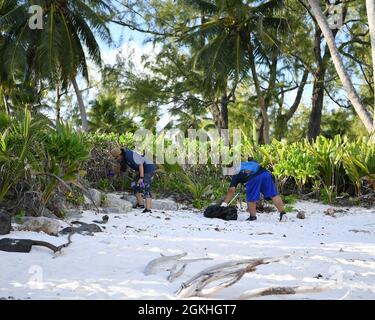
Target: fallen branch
pixel 154 265
pixel 234 270
pixel 175 274
pixel 283 291
pixel 170 263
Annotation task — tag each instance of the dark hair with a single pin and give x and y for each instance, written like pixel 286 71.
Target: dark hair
pixel 250 158
pixel 123 162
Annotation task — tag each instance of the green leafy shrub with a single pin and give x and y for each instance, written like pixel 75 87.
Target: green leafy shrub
pixel 20 216
pixel 328 194
pixel 358 160
pixel 75 198
pixel 21 149
pixel 66 150
pixel 104 184
pixel 290 199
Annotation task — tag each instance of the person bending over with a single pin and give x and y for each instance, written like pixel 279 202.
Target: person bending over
pixel 257 180
pixel 145 170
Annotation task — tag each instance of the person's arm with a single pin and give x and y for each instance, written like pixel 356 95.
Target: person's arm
pixel 232 189
pixel 141 173
pixel 229 195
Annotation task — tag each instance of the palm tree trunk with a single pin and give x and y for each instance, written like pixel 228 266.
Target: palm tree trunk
pixel 58 105
pixel 261 101
pixel 340 68
pixel 370 6
pixel 81 105
pixel 214 108
pixel 224 111
pixel 317 104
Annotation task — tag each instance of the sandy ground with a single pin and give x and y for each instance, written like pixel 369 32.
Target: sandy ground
pixel 109 265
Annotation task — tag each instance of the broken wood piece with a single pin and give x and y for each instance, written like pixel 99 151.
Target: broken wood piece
pixel 171 264
pixel 234 270
pixel 175 274
pixel 256 293
pixel 154 265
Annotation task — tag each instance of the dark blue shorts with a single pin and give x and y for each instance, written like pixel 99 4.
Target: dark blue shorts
pixel 262 183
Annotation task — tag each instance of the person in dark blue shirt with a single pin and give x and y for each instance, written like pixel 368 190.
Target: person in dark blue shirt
pixel 257 180
pixel 145 171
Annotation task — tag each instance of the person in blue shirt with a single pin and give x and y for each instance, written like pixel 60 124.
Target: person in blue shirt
pixel 145 170
pixel 257 180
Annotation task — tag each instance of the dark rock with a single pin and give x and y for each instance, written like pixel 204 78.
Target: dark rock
pixel 41 224
pixel 66 230
pixel 5 222
pixel 301 214
pixel 58 205
pixel 104 220
pixel 84 229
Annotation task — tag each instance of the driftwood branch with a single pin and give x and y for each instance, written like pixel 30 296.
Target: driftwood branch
pixel 170 263
pixel 175 274
pixel 154 265
pixel 233 271
pixel 284 291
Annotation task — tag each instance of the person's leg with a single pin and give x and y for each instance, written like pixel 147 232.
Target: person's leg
pixel 270 192
pixel 252 196
pixel 139 197
pixel 138 194
pixel 148 203
pixel 278 203
pixel 147 190
pixel 252 208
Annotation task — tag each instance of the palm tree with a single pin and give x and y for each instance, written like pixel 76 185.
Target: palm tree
pixel 105 115
pixel 192 116
pixel 58 50
pixel 370 6
pixel 237 36
pixel 342 72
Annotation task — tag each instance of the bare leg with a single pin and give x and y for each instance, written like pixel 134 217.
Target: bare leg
pixel 278 203
pixel 252 208
pixel 148 203
pixel 280 207
pixel 139 198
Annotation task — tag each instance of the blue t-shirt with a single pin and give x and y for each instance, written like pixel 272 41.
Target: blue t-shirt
pixel 243 177
pixel 252 166
pixel 134 160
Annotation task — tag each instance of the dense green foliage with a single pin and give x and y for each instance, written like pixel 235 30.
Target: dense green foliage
pixel 262 67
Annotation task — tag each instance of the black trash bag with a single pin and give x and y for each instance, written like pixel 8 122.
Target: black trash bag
pixel 225 213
